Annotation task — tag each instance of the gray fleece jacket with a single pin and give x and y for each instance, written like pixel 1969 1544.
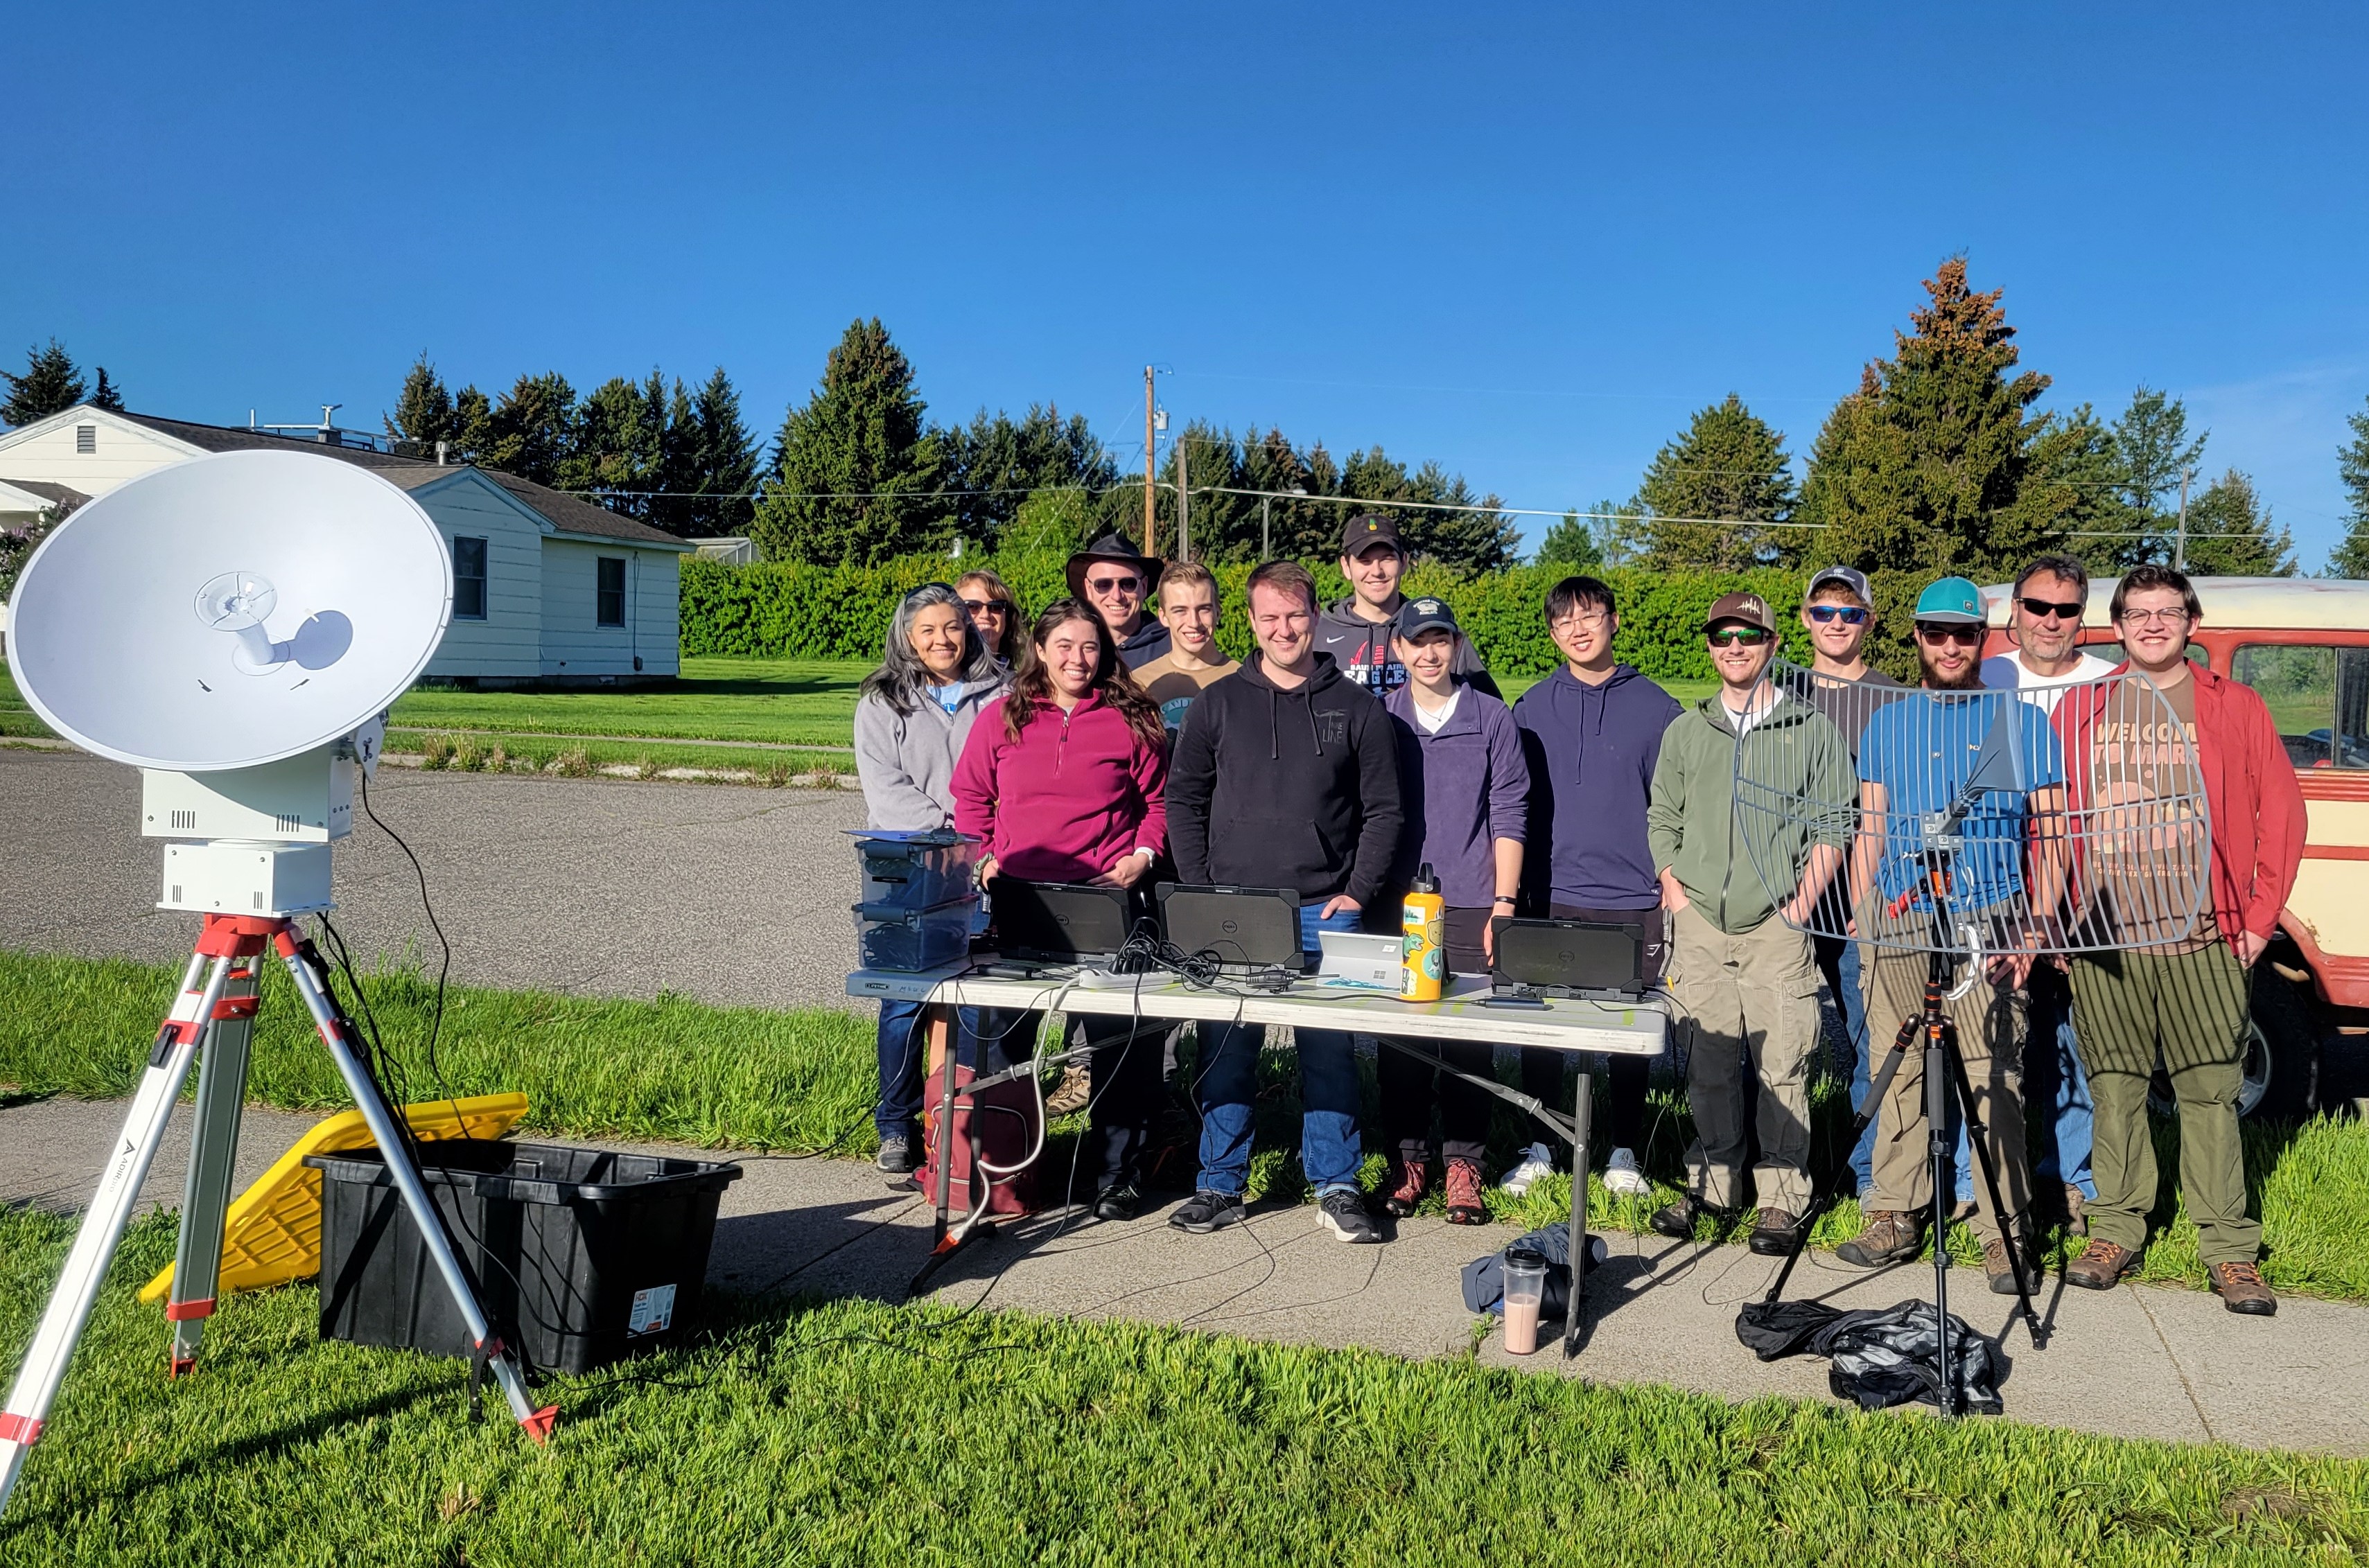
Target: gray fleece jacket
pixel 906 761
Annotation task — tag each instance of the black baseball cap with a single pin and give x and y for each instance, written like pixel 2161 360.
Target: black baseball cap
pixel 1418 616
pixel 1372 528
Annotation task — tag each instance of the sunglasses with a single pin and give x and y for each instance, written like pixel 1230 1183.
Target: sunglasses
pixel 1934 636
pixel 2041 610
pixel 1113 585
pixel 1736 637
pixel 987 607
pixel 1850 615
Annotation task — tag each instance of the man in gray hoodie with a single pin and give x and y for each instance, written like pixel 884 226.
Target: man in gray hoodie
pixel 1357 631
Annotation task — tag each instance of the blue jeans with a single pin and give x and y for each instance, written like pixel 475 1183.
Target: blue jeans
pixel 1329 1149
pixel 904 1049
pixel 1852 1002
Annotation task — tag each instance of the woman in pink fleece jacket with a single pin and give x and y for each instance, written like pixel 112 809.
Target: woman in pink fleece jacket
pixel 1063 777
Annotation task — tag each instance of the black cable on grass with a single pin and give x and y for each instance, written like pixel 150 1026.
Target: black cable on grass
pixel 444 946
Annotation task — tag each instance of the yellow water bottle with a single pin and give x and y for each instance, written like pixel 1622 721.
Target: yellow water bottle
pixel 1422 963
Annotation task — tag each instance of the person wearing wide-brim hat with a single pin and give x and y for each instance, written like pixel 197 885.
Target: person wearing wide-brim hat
pixel 1116 580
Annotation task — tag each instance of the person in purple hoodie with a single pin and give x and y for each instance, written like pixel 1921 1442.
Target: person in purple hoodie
pixel 1592 732
pixel 1465 790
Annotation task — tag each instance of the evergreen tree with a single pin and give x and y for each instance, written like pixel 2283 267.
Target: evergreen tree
pixel 49 385
pixel 856 471
pixel 106 394
pixel 2078 477
pixel 615 450
pixel 997 462
pixel 1924 467
pixel 534 429
pixel 2229 533
pixel 1573 544
pixel 1297 527
pixel 2351 556
pixel 2152 449
pixel 473 427
pixel 423 412
pixel 1727 464
pixel 722 460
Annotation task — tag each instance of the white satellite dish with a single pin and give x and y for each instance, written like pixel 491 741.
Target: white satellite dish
pixel 230 610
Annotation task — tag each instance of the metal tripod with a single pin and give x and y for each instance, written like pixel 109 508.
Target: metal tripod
pixel 1945 1074
pixel 216 1007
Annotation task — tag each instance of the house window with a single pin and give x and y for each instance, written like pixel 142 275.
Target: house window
pixel 2319 698
pixel 85 439
pixel 469 579
pixel 610 609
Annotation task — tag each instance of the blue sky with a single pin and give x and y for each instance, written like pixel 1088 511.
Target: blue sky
pixel 1524 241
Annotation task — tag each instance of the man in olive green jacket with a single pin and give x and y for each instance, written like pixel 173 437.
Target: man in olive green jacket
pixel 1745 984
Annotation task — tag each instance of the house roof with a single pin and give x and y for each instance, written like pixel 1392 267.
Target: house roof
pixel 52 493
pixel 566 514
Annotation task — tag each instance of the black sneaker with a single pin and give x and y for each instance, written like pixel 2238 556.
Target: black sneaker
pixel 897 1158
pixel 1676 1221
pixel 1344 1213
pixel 1120 1200
pixel 1206 1211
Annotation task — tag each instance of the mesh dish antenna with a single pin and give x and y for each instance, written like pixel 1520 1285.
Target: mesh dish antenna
pixel 230 611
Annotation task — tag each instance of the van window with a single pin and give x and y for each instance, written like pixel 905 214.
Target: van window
pixel 2317 698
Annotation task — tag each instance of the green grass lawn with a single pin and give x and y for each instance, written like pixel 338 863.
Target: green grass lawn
pixel 18 718
pixel 679 1071
pixel 859 1432
pixel 482 751
pixel 780 701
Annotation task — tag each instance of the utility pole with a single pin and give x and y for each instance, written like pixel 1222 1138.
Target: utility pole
pixel 1150 532
pixel 2180 538
pixel 1183 506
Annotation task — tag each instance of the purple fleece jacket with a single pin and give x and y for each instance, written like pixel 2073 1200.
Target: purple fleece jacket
pixel 1465 787
pixel 1592 750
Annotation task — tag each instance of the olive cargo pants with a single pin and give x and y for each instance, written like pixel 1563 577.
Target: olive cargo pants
pixel 1749 1005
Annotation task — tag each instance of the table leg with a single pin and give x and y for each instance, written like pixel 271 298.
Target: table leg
pixel 1579 1117
pixel 943 1056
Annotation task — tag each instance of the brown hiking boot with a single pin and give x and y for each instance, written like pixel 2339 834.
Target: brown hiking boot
pixel 1465 1204
pixel 1772 1233
pixel 2002 1274
pixel 1408 1180
pixel 1076 1092
pixel 2101 1265
pixel 2241 1288
pixel 1890 1237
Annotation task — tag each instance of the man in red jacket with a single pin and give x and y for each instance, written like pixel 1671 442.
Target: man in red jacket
pixel 2174 989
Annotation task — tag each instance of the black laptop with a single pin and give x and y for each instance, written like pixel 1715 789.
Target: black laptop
pixel 1248 931
pixel 1583 960
pixel 1063 923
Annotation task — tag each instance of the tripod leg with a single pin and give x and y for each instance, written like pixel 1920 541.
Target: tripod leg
pixel 1937 1054
pixel 213 1151
pixel 336 1032
pixel 102 1233
pixel 1978 1139
pixel 1579 1159
pixel 1823 1187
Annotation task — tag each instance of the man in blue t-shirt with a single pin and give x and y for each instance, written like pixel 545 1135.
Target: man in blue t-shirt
pixel 1918 758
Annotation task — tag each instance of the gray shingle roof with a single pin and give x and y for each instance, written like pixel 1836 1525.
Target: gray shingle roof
pixel 46 491
pixel 567 513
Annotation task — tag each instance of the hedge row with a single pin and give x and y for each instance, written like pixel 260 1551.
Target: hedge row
pixel 786 609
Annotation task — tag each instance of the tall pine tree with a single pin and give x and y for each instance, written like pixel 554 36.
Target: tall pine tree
pixel 49 385
pixel 856 471
pixel 1574 543
pixel 106 394
pixel 534 429
pixel 1928 466
pixel 2152 449
pixel 723 462
pixel 2351 556
pixel 996 462
pixel 423 412
pixel 2229 533
pixel 1727 467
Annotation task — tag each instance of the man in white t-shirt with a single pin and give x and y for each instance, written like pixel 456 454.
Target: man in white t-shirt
pixel 2044 624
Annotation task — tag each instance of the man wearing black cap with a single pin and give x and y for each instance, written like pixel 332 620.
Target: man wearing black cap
pixel 1117 581
pixel 1357 631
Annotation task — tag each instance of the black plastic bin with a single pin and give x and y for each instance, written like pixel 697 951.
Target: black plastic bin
pixel 579 1257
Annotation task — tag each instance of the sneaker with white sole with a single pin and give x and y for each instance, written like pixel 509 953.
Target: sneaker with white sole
pixel 1624 1177
pixel 1536 1162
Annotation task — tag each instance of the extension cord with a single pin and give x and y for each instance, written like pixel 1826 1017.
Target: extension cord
pixel 1108 980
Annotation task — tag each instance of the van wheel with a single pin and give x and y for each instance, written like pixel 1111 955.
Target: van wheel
pixel 2279 1076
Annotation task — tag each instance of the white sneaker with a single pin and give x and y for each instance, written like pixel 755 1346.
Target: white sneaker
pixel 1624 1177
pixel 1536 1162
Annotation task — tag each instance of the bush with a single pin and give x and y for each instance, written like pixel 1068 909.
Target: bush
pixel 791 610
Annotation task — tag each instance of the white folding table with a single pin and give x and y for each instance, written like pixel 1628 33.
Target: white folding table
pixel 1461 1014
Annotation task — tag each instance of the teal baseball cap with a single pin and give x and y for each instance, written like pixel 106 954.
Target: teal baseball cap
pixel 1952 601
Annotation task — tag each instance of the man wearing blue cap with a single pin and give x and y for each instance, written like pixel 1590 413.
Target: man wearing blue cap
pixel 1914 757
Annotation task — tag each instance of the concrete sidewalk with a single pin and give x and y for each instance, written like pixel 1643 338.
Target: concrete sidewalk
pixel 2139 1361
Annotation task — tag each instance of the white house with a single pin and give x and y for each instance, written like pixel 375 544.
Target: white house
pixel 546 587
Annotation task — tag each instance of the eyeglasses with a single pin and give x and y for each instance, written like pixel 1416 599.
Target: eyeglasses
pixel 987 607
pixel 2041 610
pixel 2143 617
pixel 1736 637
pixel 1850 615
pixel 1580 621
pixel 1964 636
pixel 1113 585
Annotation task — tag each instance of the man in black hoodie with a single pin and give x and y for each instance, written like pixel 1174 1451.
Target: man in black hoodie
pixel 1285 774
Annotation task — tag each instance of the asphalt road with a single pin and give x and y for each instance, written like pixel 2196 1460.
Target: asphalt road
pixel 612 887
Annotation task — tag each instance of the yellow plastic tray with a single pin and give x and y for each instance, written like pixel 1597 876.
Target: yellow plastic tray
pixel 273 1231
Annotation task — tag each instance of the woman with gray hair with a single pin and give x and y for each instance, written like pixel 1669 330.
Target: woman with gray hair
pixel 914 713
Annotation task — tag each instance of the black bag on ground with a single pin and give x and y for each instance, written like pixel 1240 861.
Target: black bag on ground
pixel 1879 1358
pixel 1485 1278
